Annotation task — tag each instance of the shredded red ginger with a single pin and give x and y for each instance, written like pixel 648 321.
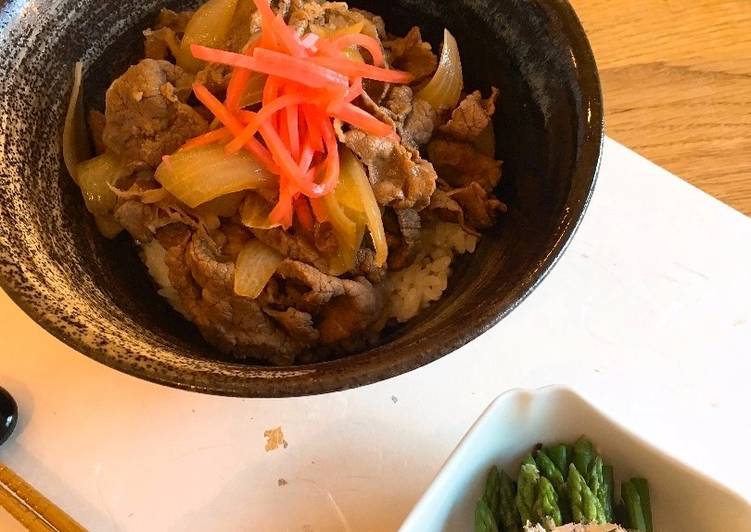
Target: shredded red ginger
pixel 309 82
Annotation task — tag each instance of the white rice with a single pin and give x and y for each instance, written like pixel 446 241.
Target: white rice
pixel 412 289
pixel 154 255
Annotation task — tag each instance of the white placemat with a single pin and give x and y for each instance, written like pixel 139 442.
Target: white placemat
pixel 648 313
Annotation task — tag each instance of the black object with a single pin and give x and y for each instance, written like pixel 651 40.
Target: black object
pixel 95 295
pixel 8 415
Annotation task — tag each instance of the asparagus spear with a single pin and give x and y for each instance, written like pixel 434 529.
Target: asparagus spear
pixel 492 493
pixel 484 520
pixel 549 470
pixel 596 481
pixel 608 505
pixel 584 453
pixel 585 507
pixel 509 516
pixel 546 510
pixel 526 493
pixel 642 488
pixel 632 501
pixel 559 455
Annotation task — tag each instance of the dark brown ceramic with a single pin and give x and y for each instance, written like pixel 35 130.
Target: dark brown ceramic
pixel 95 295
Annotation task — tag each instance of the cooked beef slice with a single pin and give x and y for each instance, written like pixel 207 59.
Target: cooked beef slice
pixel 204 281
pixel 176 21
pixel 215 77
pixel 400 178
pixel 417 129
pixel 460 164
pixel 298 324
pixel 399 102
pixel 365 265
pixel 480 207
pixel 409 225
pixel 137 218
pixel 326 16
pixel 411 54
pixel 415 119
pixel 346 306
pixel 325 238
pixel 471 116
pixel 293 246
pixel 146 117
pixel 402 228
pixel 96 122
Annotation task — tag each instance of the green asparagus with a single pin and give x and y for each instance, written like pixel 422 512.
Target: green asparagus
pixel 585 507
pixel 492 493
pixel 632 501
pixel 596 481
pixel 608 485
pixel 546 510
pixel 526 493
pixel 548 496
pixel 642 488
pixel 509 516
pixel 584 453
pixel 484 520
pixel 549 470
pixel 559 455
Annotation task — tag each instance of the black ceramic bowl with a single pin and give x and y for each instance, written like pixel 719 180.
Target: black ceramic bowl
pixel 95 295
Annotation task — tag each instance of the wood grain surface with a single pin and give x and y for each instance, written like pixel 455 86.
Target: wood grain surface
pixel 676 77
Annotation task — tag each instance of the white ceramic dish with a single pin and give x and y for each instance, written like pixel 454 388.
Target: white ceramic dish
pixel 682 499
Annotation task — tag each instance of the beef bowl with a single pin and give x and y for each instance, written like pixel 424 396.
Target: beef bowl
pixel 403 212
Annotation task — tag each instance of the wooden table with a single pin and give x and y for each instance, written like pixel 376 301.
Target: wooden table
pixel 676 77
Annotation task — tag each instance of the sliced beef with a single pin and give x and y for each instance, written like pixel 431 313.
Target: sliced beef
pixel 410 53
pixel 295 247
pixel 402 227
pixel 235 238
pixel 215 77
pixel 400 178
pixel 164 39
pixel 176 21
pixel 298 324
pixel 414 119
pixel 399 102
pixel 203 280
pixel 480 207
pixel 346 306
pixel 146 117
pixel 137 218
pixel 471 117
pixel 365 265
pixel 96 123
pixel 325 238
pixel 417 129
pixel 159 44
pixel 323 16
pixel 143 220
pixel 460 164
pixel 448 209
pixel 374 25
pixel 212 270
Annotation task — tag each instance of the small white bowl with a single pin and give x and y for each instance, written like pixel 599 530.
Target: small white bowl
pixel 682 498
